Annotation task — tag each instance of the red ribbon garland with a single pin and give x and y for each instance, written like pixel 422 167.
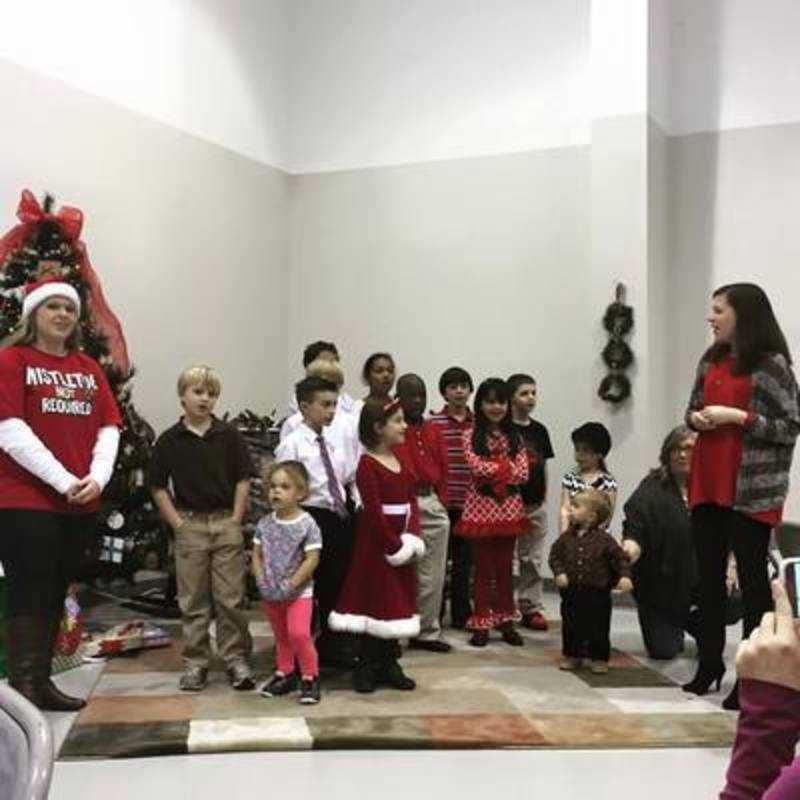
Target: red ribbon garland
pixel 69 219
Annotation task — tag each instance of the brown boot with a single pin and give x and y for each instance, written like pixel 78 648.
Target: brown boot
pixel 30 651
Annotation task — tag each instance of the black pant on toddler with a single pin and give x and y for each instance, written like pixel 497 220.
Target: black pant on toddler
pixel 586 623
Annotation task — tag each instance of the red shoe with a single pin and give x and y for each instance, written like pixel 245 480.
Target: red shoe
pixel 535 621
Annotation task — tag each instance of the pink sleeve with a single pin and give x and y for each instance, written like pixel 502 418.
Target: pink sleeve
pixel 768 731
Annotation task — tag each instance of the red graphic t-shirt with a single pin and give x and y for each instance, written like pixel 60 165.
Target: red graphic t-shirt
pixel 65 400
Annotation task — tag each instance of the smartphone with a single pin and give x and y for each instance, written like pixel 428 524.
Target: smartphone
pixel 790 575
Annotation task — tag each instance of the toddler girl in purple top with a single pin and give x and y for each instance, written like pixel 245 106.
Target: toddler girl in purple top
pixel 286 552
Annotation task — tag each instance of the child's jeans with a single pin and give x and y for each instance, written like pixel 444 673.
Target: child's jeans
pixel 493 558
pixel 291 624
pixel 586 623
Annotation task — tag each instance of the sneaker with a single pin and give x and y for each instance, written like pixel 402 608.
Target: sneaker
pixel 241 677
pixel 569 664
pixel 309 692
pixel 279 685
pixel 535 621
pixel 599 667
pixel 193 679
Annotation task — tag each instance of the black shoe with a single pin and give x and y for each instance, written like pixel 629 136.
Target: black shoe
pixel 479 638
pixel 391 674
pixel 432 645
pixel 55 700
pixel 510 635
pixel 704 679
pixel 279 685
pixel 364 678
pixel 731 702
pixel 309 692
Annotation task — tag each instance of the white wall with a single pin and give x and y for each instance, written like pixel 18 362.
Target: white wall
pixel 731 63
pixel 188 238
pixel 214 68
pixel 377 82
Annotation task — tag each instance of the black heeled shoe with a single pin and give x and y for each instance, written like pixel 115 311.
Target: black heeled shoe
pixel 731 702
pixel 704 679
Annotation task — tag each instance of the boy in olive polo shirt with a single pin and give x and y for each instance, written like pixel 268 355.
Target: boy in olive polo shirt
pixel 206 465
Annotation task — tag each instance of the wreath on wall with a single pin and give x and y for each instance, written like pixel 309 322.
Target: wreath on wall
pixel 617 355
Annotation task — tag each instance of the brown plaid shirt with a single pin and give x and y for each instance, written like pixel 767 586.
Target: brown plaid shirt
pixel 592 559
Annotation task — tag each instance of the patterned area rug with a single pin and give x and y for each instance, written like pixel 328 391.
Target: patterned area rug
pixel 497 697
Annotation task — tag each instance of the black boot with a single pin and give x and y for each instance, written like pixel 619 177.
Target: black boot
pixel 30 651
pixel 704 679
pixel 510 634
pixel 731 702
pixel 364 677
pixel 391 674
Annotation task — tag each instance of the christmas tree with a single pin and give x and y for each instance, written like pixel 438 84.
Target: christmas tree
pixel 45 244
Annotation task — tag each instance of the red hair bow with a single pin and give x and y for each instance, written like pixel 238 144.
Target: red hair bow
pixel 69 219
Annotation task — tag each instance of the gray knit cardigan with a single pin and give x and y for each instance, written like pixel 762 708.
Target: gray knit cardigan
pixel 772 427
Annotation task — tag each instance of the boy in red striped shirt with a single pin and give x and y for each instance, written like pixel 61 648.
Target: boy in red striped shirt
pixel 456 388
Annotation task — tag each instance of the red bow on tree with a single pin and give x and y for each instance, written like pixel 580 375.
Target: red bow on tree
pixel 69 219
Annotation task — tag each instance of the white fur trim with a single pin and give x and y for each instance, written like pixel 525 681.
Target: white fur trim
pixel 419 546
pixel 45 292
pixel 407 551
pixel 379 628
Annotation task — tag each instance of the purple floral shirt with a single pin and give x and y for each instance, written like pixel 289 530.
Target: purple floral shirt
pixel 284 544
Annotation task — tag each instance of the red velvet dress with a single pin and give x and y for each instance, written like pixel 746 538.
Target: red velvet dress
pixel 379 597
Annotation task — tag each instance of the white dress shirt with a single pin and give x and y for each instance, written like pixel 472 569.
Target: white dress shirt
pixel 302 445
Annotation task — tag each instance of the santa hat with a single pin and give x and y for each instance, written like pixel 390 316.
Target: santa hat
pixel 37 293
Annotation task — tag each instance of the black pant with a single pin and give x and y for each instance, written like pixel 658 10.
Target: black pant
pixel 663 637
pixel 717 531
pixel 42 553
pixel 338 536
pixel 460 572
pixel 586 623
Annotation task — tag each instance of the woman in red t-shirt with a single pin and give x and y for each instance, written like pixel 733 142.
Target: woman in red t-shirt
pixel 59 434
pixel 744 405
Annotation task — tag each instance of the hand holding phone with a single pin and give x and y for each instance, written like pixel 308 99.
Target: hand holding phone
pixel 790 576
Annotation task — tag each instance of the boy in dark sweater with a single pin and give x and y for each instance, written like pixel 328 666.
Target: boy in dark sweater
pixel 588 563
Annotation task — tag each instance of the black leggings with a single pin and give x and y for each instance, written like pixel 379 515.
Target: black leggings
pixel 42 553
pixel 717 531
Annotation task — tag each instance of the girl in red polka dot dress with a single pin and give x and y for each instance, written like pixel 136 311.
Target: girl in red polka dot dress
pixel 494 514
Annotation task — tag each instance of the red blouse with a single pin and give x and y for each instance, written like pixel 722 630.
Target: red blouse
pixel 718 453
pixel 425 453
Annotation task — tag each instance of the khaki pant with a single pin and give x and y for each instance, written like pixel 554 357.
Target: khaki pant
pixel 431 568
pixel 210 572
pixel 530 558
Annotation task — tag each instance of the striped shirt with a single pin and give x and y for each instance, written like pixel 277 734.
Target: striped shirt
pixel 459 477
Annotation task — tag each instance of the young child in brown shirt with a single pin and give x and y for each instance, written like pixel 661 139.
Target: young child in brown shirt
pixel 588 563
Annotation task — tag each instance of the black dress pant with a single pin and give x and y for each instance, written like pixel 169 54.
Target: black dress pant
pixel 42 553
pixel 338 536
pixel 717 531
pixel 663 637
pixel 586 623
pixel 460 572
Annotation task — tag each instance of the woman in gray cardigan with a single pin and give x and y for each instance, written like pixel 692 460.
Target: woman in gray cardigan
pixel 744 405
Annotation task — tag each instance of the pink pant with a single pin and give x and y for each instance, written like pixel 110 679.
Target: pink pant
pixel 291 624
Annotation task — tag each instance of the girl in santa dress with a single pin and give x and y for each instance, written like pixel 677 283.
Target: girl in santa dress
pixel 494 514
pixel 379 597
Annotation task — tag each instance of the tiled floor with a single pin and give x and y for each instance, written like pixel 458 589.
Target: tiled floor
pixel 683 773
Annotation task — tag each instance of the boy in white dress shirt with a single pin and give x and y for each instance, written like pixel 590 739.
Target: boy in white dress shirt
pixel 330 468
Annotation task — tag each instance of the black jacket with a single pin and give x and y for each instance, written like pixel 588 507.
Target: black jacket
pixel 657 519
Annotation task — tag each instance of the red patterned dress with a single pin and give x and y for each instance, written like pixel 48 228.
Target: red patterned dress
pixel 493 517
pixel 379 597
